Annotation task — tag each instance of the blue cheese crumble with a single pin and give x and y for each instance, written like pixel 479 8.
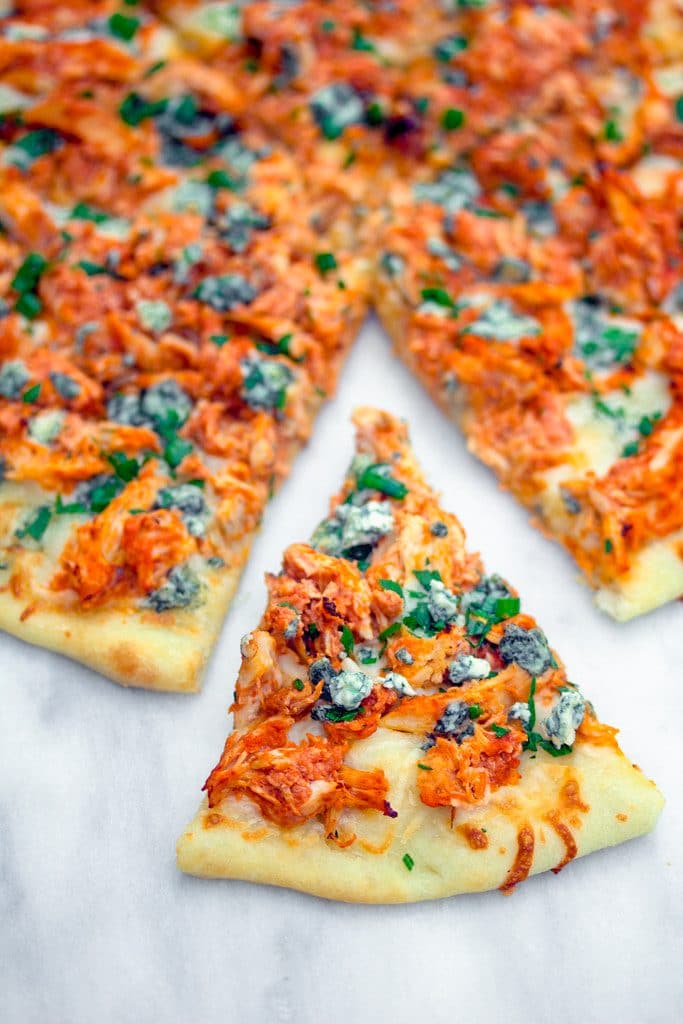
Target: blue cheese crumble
pixel 225 291
pixel 453 190
pixel 443 605
pixel 46 426
pixel 520 712
pixel 527 648
pixel 265 382
pixel 454 724
pixel 565 718
pixel 500 322
pixel 352 526
pixel 154 315
pixel 180 589
pixel 65 386
pixel 189 501
pixel 13 378
pixel 398 683
pixel 335 107
pixel 349 687
pixel 465 667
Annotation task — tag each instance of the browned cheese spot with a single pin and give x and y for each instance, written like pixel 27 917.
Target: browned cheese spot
pixel 477 839
pixel 521 866
pixel 565 834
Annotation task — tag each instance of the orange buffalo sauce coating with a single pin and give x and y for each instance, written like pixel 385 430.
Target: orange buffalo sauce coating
pixel 329 614
pixel 290 782
pixel 462 774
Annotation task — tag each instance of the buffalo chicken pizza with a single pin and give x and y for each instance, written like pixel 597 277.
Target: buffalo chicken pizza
pixel 403 729
pixel 200 200
pixel 175 310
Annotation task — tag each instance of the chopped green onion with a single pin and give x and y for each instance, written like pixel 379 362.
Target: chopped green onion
pixel 392 585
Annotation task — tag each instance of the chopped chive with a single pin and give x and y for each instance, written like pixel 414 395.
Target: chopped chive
pixel 325 261
pixel 390 630
pixel 507 606
pixel 37 525
pixel 31 394
pixel 221 179
pixel 123 27
pixel 452 119
pixel 408 861
pixel 347 640
pixel 392 585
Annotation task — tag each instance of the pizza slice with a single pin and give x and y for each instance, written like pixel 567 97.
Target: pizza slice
pixel 545 318
pixel 403 730
pixel 176 306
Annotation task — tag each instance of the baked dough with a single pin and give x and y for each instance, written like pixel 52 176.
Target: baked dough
pixel 402 730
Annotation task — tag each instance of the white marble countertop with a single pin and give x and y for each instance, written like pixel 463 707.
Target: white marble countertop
pixel 96 782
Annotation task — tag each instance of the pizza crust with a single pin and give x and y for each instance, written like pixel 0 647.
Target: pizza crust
pixel 594 796
pixel 656 573
pixel 166 651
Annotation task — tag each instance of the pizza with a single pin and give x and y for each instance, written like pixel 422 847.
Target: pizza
pixel 557 233
pixel 177 307
pixel 403 730
pixel 201 200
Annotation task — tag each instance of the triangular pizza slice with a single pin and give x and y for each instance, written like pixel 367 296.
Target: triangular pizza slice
pixel 403 730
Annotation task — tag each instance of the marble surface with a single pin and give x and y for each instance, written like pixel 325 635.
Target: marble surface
pixel 96 782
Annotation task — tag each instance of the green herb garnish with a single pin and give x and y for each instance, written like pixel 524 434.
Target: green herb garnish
pixel 347 640
pixel 325 261
pixel 392 585
pixel 123 27
pixel 37 525
pixel 377 478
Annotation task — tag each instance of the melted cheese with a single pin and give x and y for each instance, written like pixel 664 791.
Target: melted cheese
pixel 656 576
pixel 599 438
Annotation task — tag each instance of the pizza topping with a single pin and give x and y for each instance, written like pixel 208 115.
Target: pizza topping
pixel 67 387
pixel 500 322
pixel 349 687
pixel 392 264
pixel 154 314
pixel 265 382
pixel 335 107
pixel 527 648
pixel 13 378
pixel 180 589
pixel 520 712
pixel 398 683
pixel 455 723
pixel 26 150
pixel 46 426
pixel 465 667
pixel 163 404
pixel 354 529
pixel 442 604
pixel 455 189
pixel 237 224
pixel 189 501
pixel 603 341
pixel 565 718
pixel 226 291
